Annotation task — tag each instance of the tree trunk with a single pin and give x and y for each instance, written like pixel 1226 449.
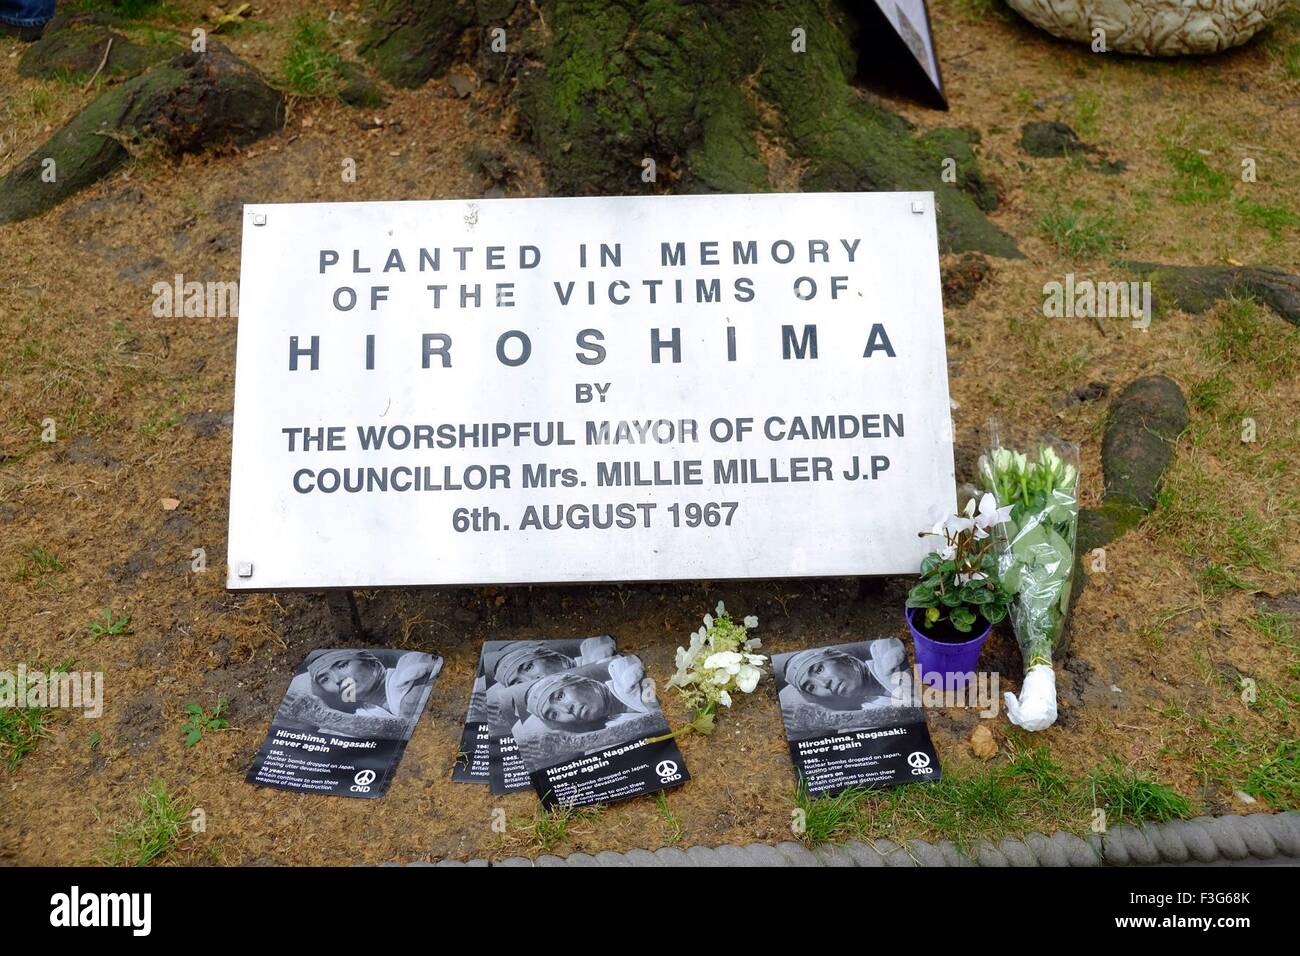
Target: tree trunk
pixel 713 93
pixel 190 103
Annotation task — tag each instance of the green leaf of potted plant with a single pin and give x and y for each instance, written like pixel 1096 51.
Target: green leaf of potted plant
pixel 960 596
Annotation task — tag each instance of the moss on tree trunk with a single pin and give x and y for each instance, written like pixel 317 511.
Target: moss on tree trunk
pixel 715 93
pixel 410 41
pixel 76 47
pixel 706 90
pixel 194 101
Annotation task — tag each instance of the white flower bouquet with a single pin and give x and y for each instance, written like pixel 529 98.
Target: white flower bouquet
pixel 719 664
pixel 1036 562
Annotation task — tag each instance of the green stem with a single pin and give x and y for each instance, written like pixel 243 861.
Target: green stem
pixel 680 732
pixel 688 728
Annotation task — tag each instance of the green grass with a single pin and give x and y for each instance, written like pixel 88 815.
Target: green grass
pixel 311 67
pixel 1086 107
pixel 22 727
pixel 1264 349
pixel 33 106
pixel 1077 233
pixel 1195 181
pixel 1129 797
pixel 1215 579
pixel 673 824
pixel 974 10
pixel 128 9
pixel 159 824
pixel 1276 627
pixel 110 624
pixel 1207 515
pixel 1239 751
pixel 548 830
pixel 1238 334
pixel 966 808
pixel 1210 395
pixel 38 563
pixel 1278 779
pixel 1275 219
pixel 154 427
pixel 21 730
pixel 1218 501
pixel 1034 765
pixel 158 36
pixel 199 721
pixel 1282 43
pixel 1025 791
pixel 828 819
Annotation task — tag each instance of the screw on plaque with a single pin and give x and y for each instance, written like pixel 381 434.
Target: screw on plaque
pixel 918 206
pixel 245 569
pixel 259 219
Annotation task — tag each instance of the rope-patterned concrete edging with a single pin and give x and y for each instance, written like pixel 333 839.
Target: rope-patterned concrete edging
pixel 1259 836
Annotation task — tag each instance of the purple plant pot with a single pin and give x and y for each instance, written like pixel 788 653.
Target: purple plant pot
pixel 943 665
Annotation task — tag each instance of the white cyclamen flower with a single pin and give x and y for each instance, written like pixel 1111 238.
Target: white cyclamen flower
pixel 948 551
pixel 956 524
pixel 751 621
pixel 990 515
pixel 708 620
pixel 721 609
pixel 724 699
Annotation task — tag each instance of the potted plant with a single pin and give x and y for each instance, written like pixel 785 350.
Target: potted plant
pixel 960 596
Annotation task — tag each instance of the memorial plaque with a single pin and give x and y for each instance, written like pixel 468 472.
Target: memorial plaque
pixel 577 390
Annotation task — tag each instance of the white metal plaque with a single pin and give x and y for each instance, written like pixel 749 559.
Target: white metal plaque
pixel 604 389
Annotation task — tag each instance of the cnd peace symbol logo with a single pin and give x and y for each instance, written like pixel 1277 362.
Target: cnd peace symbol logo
pixel 362 781
pixel 667 770
pixel 919 762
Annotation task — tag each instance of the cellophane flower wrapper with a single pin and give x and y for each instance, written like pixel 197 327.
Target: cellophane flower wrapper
pixel 1036 547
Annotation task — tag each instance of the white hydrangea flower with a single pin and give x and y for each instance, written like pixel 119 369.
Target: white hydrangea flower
pixel 728 661
pixel 720 662
pixel 747 678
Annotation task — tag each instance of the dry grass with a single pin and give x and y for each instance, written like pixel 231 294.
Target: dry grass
pixel 1175 623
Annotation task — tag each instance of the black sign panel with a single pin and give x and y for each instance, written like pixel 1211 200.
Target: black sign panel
pixel 852 717
pixel 345 721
